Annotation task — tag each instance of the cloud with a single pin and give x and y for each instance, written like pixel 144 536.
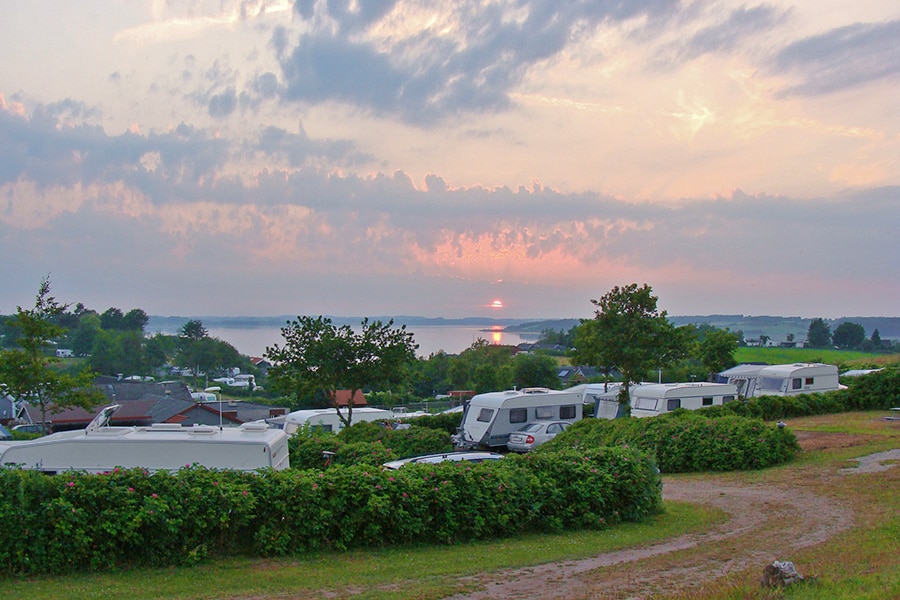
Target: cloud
pixel 841 58
pixel 723 35
pixel 403 60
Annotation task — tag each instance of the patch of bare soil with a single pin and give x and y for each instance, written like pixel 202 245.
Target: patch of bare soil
pixel 818 440
pixel 767 521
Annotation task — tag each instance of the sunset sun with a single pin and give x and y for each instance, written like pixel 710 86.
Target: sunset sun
pixel 497 303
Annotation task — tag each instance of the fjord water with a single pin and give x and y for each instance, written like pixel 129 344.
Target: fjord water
pixel 253 341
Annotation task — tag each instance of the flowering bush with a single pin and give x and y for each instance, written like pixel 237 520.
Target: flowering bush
pixel 686 441
pixel 68 522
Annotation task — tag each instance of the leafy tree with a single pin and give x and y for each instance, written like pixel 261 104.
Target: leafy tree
pixel 534 370
pixel 82 339
pixel 135 320
pixel 208 354
pixel 716 351
pixel 112 319
pixel 160 349
pixel 877 344
pixel 318 356
pixel 432 375
pixel 819 334
pixel 482 367
pixel 848 335
pixel 28 372
pixel 193 330
pixel 104 354
pixel 628 332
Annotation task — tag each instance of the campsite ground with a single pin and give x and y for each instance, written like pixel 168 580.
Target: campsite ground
pixel 789 513
pixel 835 517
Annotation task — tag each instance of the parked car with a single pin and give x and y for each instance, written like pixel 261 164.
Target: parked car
pixel 472 457
pixel 29 428
pixel 532 435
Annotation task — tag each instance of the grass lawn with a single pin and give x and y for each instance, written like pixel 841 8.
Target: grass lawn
pixel 860 562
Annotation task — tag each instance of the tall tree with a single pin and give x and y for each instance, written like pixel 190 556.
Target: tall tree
pixel 848 335
pixel 716 351
pixel 193 330
pixel 630 333
pixel 112 319
pixel 319 357
pixel 135 320
pixel 819 334
pixel 29 372
pixel 535 370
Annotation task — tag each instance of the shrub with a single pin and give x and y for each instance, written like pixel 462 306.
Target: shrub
pixel 72 522
pixel 686 441
pixel 446 422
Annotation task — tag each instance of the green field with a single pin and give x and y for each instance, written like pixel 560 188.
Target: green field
pixel 845 359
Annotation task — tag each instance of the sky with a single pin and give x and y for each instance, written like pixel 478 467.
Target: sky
pixel 507 158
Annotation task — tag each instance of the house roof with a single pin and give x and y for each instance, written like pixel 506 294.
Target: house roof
pixel 342 398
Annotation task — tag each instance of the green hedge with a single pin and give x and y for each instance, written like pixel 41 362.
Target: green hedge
pixel 72 522
pixel 687 441
pixel 363 443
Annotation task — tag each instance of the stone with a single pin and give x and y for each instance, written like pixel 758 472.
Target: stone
pixel 780 573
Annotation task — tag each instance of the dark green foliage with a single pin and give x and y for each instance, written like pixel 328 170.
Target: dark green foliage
pixel 447 422
pixel 70 522
pixel 364 443
pixel 848 335
pixel 687 441
pixel 819 334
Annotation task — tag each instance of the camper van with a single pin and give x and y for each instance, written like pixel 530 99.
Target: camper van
pixel 489 418
pixel 603 397
pixel 782 380
pixel 651 399
pixel 158 447
pixel 328 419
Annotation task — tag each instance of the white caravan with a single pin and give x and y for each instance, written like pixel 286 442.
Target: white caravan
pixel 782 380
pixel 490 418
pixel 651 399
pixel 158 447
pixel 328 419
pixel 605 401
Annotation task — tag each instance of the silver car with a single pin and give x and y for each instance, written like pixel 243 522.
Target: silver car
pixel 533 435
pixel 471 457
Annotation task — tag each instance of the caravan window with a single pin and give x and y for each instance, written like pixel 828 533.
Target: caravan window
pixel 543 412
pixel 727 399
pixel 485 415
pixel 567 412
pixel 673 403
pixel 645 403
pixel 518 415
pixel 809 381
pixel 707 401
pixel 796 383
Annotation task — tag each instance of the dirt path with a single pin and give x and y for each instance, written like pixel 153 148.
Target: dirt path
pixel 765 523
pixel 768 520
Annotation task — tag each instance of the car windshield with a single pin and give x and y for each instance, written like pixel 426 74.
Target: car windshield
pixel 532 427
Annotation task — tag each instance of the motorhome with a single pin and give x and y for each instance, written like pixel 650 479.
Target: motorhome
pixel 782 380
pixel 603 397
pixel 489 418
pixel 651 399
pixel 159 447
pixel 328 419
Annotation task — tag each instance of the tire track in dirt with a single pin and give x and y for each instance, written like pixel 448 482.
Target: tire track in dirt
pixel 765 523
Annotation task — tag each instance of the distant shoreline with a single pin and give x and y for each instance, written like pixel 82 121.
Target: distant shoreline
pixel 752 326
